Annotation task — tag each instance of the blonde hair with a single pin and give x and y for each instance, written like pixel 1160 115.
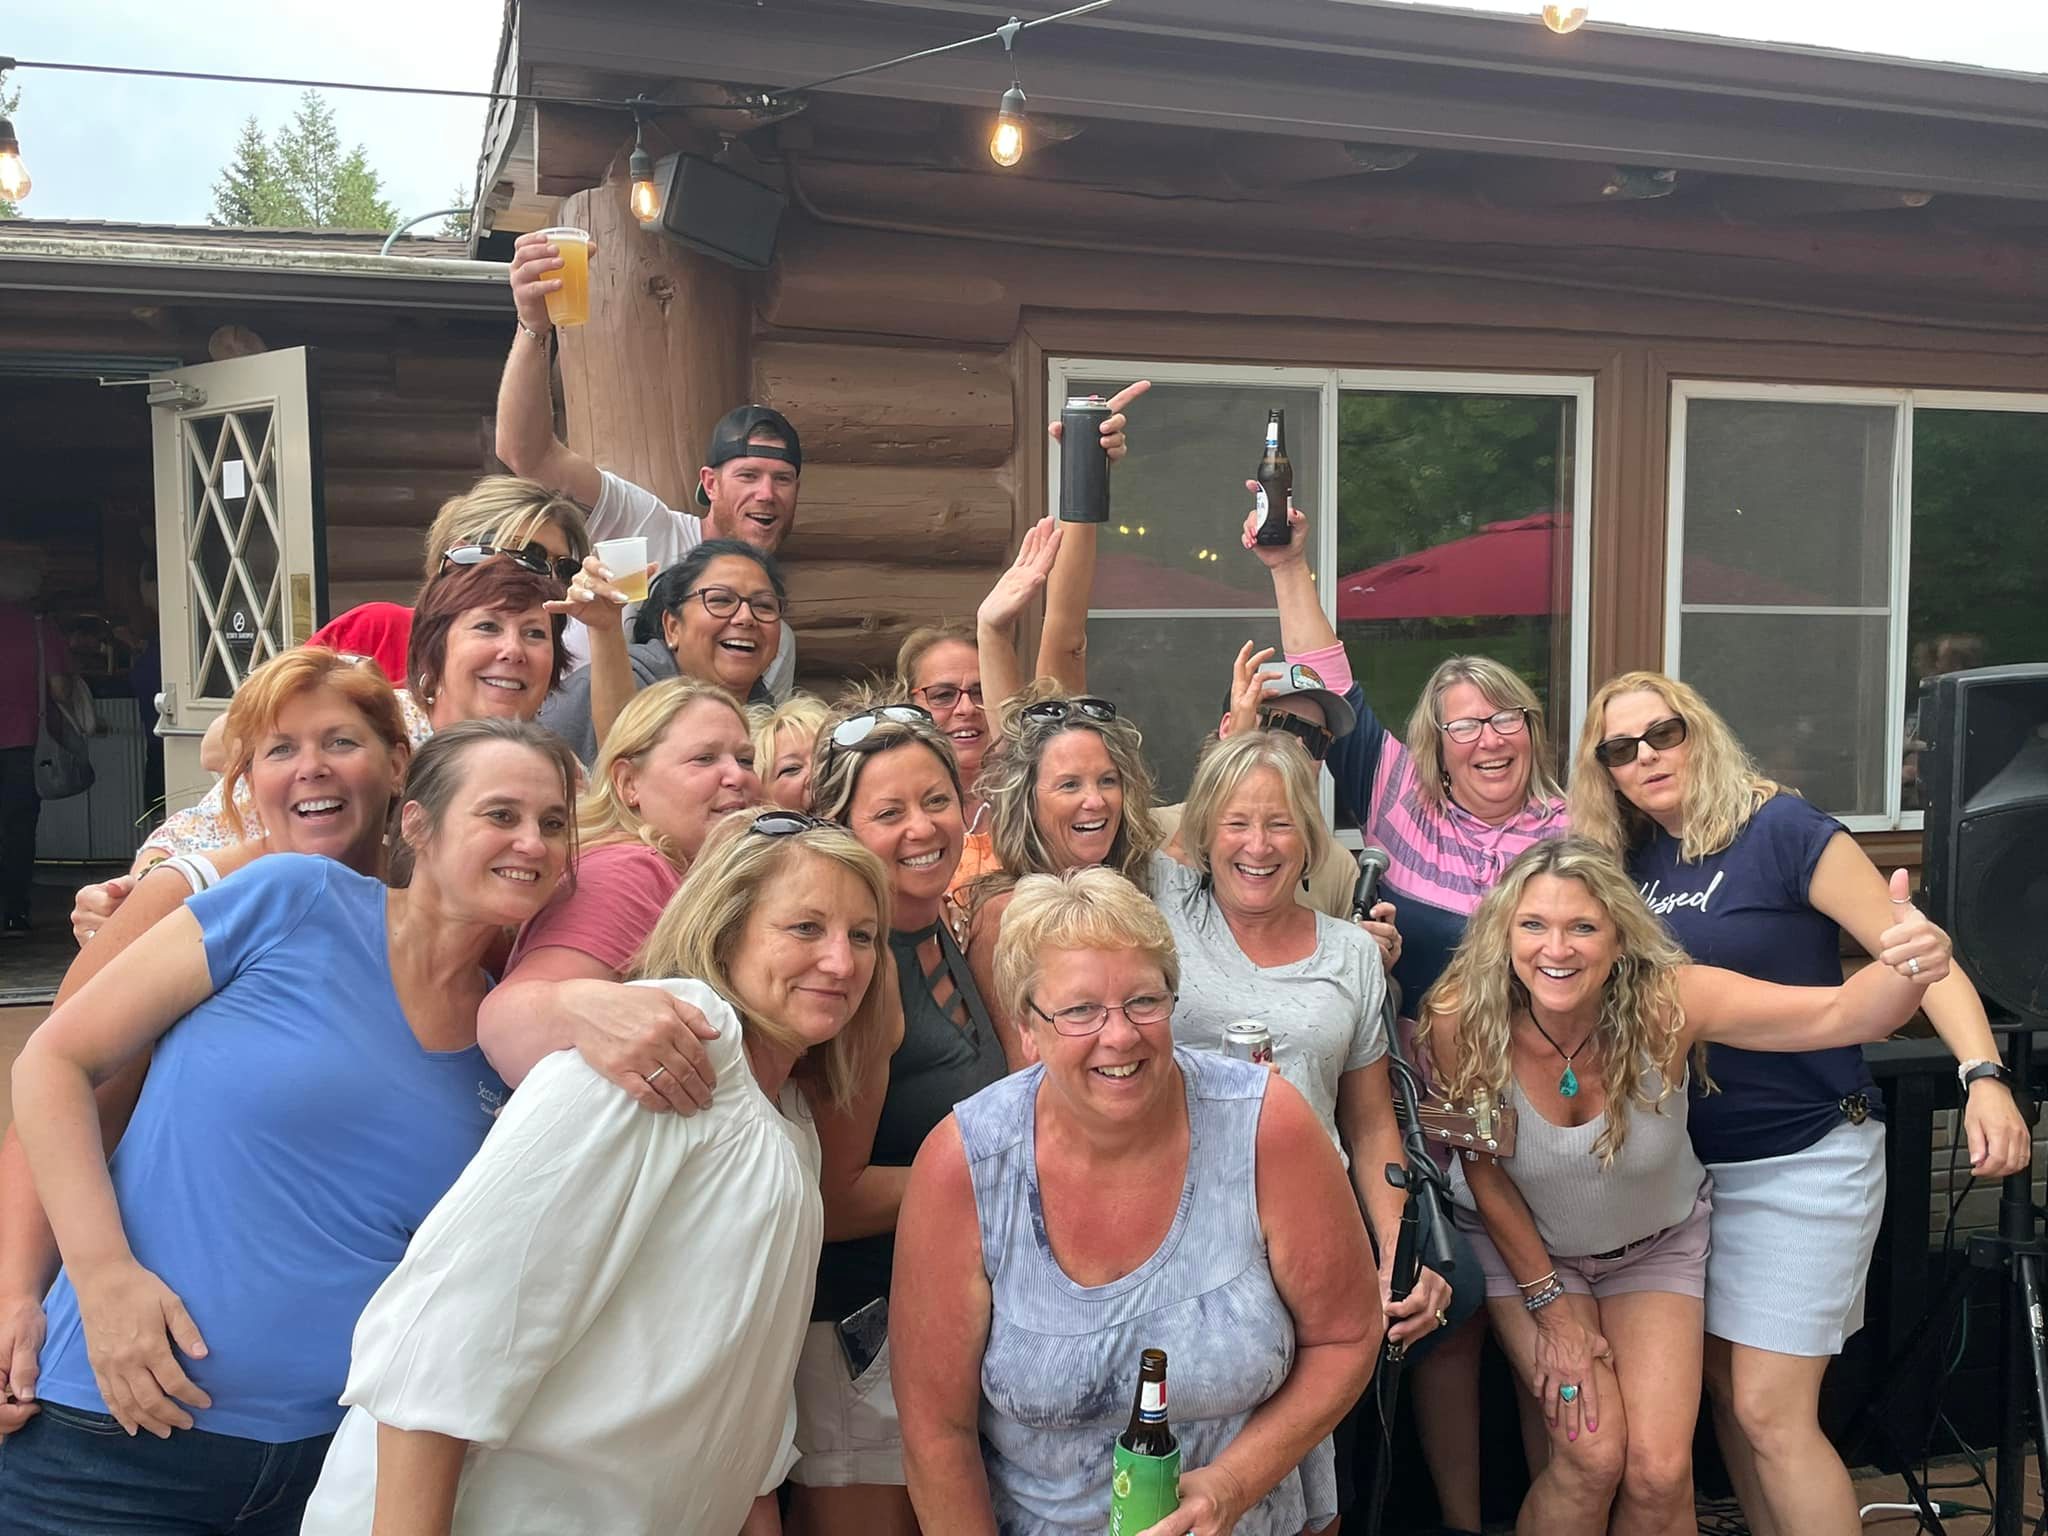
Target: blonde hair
pixel 602 814
pixel 700 930
pixel 506 513
pixel 1502 687
pixel 1722 788
pixel 836 771
pixel 1222 771
pixel 921 642
pixel 799 712
pixel 1091 908
pixel 1009 777
pixel 1479 994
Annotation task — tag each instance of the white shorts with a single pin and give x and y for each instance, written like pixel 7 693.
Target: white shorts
pixel 1792 1238
pixel 846 1431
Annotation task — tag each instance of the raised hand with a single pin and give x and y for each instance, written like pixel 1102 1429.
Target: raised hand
pixel 1114 441
pixel 593 597
pixel 1026 577
pixel 1247 688
pixel 535 260
pixel 1273 556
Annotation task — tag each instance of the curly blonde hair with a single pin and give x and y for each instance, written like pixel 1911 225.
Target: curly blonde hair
pixel 1502 687
pixel 1468 1017
pixel 1009 778
pixel 602 814
pixel 1722 787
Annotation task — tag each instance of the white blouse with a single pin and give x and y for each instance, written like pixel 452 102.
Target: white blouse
pixel 608 1305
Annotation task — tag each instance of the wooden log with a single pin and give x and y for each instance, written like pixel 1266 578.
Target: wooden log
pixel 397 441
pixel 889 405
pixel 344 595
pixel 389 556
pixel 663 357
pixel 388 498
pixel 858 594
pixel 899 513
pixel 451 380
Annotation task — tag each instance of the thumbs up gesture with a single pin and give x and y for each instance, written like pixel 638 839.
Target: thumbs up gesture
pixel 1912 946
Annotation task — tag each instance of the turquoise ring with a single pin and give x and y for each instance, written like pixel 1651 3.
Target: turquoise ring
pixel 1569 1392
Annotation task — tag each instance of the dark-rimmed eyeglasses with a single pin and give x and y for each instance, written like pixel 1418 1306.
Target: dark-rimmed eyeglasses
pixel 1084 1019
pixel 528 557
pixel 789 823
pixel 1618 750
pixel 943 696
pixel 1505 722
pixel 1047 711
pixel 724 602
pixel 1316 738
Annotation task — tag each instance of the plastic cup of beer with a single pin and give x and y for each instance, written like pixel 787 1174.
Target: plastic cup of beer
pixel 626 559
pixel 570 303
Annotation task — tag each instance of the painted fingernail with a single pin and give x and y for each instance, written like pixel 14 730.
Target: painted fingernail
pixel 1591 1424
pixel 605 571
pixel 1570 1434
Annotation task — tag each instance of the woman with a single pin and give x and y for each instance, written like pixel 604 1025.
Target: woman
pixel 596 1329
pixel 1568 1003
pixel 679 761
pixel 785 742
pixel 500 514
pixel 1454 802
pixel 1249 950
pixel 484 645
pixel 939 669
pixel 1067 787
pixel 324 752
pixel 211 1282
pixel 887 774
pixel 1053 1228
pixel 1748 876
pixel 715 615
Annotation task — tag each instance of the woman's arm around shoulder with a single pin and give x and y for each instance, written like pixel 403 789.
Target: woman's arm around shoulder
pixel 939 1313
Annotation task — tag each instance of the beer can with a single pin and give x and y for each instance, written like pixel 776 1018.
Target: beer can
pixel 1248 1040
pixel 1084 465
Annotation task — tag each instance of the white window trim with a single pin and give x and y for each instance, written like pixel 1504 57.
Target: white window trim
pixel 1899 587
pixel 1331 382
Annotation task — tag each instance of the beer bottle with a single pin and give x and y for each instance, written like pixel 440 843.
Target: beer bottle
pixel 1146 1484
pixel 1276 484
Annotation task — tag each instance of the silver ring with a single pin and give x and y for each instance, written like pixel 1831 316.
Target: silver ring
pixel 649 1077
pixel 1912 965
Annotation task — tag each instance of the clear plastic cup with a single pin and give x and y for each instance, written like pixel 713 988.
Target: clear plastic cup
pixel 626 559
pixel 570 303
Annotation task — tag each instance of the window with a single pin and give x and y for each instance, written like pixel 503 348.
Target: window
pixel 1829 548
pixel 1458 508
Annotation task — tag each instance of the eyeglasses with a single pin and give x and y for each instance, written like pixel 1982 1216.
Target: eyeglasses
pixel 1084 1019
pixel 724 602
pixel 788 823
pixel 857 728
pixel 1617 750
pixel 1317 738
pixel 1505 722
pixel 941 696
pixel 1062 710
pixel 528 557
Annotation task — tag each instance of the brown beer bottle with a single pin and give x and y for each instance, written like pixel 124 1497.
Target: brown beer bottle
pixel 1276 483
pixel 1148 1433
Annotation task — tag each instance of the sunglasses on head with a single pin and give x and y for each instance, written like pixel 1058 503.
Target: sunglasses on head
pixel 528 557
pixel 1061 710
pixel 1316 738
pixel 1616 751
pixel 849 733
pixel 788 823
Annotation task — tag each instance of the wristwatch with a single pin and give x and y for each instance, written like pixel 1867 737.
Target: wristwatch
pixel 1976 1069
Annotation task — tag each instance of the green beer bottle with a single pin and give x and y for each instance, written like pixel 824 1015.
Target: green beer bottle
pixel 1145 1488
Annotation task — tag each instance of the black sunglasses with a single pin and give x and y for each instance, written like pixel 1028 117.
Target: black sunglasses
pixel 788 823
pixel 529 557
pixel 1316 738
pixel 1617 750
pixel 1062 710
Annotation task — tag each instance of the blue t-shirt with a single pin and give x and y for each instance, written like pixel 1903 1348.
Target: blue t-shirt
pixel 1745 909
pixel 290 1137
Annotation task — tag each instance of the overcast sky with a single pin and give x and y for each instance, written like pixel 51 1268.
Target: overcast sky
pixel 150 150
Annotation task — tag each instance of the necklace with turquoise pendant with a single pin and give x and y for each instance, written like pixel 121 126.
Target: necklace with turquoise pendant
pixel 1567 1080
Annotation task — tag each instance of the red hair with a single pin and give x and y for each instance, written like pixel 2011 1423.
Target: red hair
pixel 497 584
pixel 299 671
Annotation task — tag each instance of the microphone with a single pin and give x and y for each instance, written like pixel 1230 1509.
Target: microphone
pixel 1372 863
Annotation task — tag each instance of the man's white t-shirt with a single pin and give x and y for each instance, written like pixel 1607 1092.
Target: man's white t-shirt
pixel 624 511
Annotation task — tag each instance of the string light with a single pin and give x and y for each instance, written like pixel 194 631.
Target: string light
pixel 1006 143
pixel 645 198
pixel 1564 18
pixel 14 179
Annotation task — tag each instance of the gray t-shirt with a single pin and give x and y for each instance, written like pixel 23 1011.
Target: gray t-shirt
pixel 1323 1011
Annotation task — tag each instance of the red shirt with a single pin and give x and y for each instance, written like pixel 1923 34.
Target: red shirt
pixel 20 684
pixel 380 631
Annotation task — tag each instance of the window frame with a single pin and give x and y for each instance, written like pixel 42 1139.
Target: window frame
pixel 1330 384
pixel 1899 587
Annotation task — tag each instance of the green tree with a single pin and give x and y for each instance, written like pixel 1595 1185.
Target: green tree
pixel 249 192
pixel 456 225
pixel 9 100
pixel 301 176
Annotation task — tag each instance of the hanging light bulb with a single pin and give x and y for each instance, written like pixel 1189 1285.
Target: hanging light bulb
pixel 645 198
pixel 14 182
pixel 1564 18
pixel 1006 144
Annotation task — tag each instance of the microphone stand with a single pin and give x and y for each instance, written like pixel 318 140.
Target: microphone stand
pixel 1424 1240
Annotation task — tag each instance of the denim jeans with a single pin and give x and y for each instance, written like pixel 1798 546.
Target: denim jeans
pixel 71 1473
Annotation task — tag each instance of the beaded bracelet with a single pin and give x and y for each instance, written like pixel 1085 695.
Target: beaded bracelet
pixel 1543 1298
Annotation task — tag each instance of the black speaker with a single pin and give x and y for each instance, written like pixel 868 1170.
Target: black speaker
pixel 1985 775
pixel 716 210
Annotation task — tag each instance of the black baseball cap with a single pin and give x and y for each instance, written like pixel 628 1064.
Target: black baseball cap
pixel 730 439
